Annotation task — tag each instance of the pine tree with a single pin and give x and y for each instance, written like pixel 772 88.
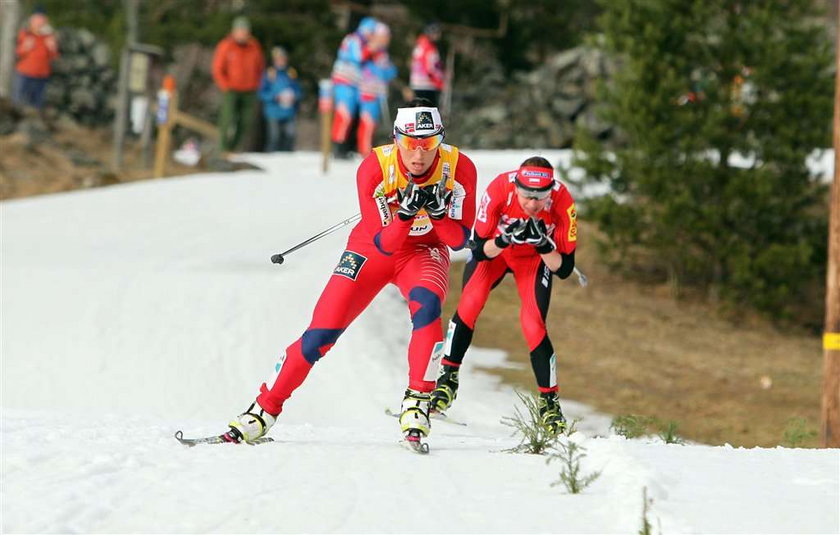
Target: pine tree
pixel 716 104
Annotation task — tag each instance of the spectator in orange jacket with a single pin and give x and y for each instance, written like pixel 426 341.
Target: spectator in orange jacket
pixel 36 48
pixel 238 64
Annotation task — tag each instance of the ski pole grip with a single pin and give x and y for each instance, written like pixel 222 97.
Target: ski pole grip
pixel 277 259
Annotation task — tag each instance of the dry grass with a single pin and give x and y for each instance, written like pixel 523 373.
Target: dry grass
pixel 624 348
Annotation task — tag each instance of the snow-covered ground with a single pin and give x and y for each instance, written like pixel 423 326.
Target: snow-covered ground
pixel 133 311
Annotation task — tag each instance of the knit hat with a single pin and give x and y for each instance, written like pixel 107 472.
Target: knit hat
pixel 367 25
pixel 241 23
pixel 433 27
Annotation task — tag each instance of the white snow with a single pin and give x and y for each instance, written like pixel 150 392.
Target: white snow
pixel 134 311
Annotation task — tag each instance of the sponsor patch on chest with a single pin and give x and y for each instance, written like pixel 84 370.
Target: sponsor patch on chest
pixel 572 212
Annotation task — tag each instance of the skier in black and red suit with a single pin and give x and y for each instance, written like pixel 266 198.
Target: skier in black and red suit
pixel 526 225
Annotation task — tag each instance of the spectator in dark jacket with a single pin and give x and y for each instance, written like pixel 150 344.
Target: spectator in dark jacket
pixel 280 93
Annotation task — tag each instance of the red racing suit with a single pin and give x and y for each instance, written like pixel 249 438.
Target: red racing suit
pixel 498 208
pixel 382 249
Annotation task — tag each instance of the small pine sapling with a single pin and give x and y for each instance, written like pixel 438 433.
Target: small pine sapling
pixel 570 454
pixel 631 425
pixel 647 527
pixel 536 438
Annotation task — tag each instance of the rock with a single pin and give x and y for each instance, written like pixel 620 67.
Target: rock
pixel 562 61
pixel 82 100
pixel 81 158
pixel 493 114
pixel 593 63
pixel 593 124
pixel 10 116
pixel 35 130
pixel 101 55
pixel 86 38
pixel 540 108
pixel 82 79
pixel 568 107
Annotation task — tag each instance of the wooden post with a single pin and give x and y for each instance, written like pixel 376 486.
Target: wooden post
pixel 189 122
pixel 146 135
pixel 325 110
pixel 445 103
pixel 830 428
pixel 458 33
pixel 167 109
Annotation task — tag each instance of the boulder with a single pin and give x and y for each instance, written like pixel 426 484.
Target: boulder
pixel 82 79
pixel 540 108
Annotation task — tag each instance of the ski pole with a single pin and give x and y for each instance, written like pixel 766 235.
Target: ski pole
pixel 279 257
pixel 582 280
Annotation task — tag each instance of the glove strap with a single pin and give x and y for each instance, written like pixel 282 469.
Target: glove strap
pixel 545 248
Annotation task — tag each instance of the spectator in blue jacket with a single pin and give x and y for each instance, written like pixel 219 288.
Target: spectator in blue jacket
pixel 280 93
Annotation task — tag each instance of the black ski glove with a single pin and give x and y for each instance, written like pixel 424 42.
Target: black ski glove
pixel 437 200
pixel 531 235
pixel 520 237
pixel 545 244
pixel 413 199
pixel 508 234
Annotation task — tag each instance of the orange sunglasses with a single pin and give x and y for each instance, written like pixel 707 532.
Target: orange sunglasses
pixel 407 142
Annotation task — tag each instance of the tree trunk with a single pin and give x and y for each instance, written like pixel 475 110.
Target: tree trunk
pixel 121 112
pixel 9 18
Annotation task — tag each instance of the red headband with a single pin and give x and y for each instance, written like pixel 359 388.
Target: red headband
pixel 535 178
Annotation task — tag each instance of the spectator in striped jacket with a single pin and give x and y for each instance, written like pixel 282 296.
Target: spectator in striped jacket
pixel 426 68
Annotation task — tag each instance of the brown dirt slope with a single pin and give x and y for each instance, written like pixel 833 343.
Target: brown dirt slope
pixel 38 159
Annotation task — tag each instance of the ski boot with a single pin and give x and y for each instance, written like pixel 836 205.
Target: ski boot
pixel 414 414
pixel 251 424
pixel 446 389
pixel 550 414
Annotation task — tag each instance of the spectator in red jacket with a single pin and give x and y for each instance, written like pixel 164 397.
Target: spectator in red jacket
pixel 36 48
pixel 426 78
pixel 238 64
